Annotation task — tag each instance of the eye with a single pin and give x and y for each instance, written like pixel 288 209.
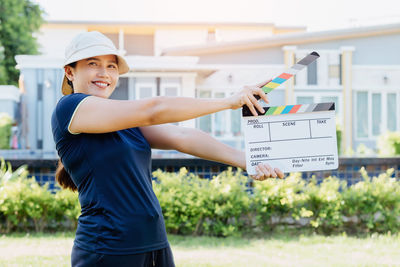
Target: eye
pixel 92 63
pixel 112 66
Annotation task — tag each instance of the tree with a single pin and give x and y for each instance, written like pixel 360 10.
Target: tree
pixel 19 21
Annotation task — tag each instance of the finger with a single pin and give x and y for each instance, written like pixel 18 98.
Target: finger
pixel 256 103
pixel 264 170
pixel 259 173
pixel 257 177
pixel 250 106
pixel 262 84
pixel 271 171
pixel 263 95
pixel 280 173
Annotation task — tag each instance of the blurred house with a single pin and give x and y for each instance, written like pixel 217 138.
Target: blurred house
pixel 359 70
pixel 9 101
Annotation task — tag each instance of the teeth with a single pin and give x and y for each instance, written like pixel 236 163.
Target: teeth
pixel 101 84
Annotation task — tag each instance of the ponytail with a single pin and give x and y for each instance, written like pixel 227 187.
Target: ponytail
pixel 63 178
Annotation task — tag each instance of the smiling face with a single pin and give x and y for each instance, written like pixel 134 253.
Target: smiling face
pixel 96 76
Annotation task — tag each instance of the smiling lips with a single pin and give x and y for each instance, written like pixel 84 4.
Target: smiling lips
pixel 101 84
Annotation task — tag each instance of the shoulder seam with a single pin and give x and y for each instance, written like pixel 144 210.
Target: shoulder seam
pixel 73 115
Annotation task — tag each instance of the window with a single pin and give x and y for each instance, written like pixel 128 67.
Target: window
pixel 362 114
pixel 219 119
pixel 391 112
pixel 121 91
pixel 304 100
pixel 145 87
pixel 376 114
pixel 171 91
pixel 145 92
pixel 236 121
pixel 170 86
pixel 204 122
pixel 312 73
pixel 225 123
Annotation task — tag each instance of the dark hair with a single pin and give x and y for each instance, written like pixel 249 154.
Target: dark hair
pixel 62 176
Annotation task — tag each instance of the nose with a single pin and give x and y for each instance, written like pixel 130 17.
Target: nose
pixel 102 72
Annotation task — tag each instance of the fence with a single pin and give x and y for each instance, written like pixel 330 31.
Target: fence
pixel 44 169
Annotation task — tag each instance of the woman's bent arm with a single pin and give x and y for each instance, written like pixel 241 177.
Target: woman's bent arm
pixel 194 142
pixel 200 144
pixel 100 115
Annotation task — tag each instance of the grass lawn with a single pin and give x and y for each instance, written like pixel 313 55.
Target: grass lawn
pixel 273 250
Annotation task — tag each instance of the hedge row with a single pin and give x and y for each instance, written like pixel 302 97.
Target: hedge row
pixel 225 206
pixel 228 204
pixel 25 205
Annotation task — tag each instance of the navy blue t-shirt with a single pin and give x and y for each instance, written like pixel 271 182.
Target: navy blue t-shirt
pixel 112 171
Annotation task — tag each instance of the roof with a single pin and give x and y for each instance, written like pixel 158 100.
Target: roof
pixel 167 23
pixel 284 39
pixel 149 27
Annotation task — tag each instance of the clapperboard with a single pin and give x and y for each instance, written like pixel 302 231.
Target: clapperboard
pixel 292 138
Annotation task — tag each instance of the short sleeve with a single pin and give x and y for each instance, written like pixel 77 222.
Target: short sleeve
pixel 64 113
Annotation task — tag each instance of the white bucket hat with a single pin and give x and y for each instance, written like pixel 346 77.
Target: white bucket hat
pixel 90 44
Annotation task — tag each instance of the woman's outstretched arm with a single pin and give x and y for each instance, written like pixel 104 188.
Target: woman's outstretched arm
pixel 100 115
pixel 200 144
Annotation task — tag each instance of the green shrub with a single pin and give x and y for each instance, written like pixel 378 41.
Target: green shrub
pixel 192 205
pixel 12 192
pixel 5 130
pixel 66 208
pixel 326 204
pixel 39 204
pixel 389 144
pixel 276 200
pixel 339 133
pixel 227 204
pixel 374 204
pixel 222 206
pixel 181 197
pixel 24 204
pixel 12 204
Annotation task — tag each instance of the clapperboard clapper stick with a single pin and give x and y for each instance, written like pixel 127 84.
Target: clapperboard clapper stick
pixel 286 75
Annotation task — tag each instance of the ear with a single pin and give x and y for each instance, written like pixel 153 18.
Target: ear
pixel 69 73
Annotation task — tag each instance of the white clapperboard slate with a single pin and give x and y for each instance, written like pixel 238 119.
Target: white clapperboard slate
pixel 293 138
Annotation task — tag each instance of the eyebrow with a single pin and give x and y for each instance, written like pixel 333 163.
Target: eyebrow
pixel 96 59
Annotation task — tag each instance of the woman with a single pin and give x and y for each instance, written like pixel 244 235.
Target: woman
pixel 105 151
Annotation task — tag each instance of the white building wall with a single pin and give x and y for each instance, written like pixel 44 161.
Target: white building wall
pixel 52 42
pixel 373 76
pixel 172 38
pixel 229 35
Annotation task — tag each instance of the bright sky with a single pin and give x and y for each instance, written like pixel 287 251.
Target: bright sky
pixel 315 14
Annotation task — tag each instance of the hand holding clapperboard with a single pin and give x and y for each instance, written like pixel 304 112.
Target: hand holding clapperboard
pixel 292 138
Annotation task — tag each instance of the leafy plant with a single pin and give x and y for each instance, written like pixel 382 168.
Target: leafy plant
pixel 389 144
pixel 374 203
pixel 5 130
pixel 226 205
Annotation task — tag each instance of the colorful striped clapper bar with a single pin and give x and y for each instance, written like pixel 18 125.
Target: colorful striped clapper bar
pixel 307 60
